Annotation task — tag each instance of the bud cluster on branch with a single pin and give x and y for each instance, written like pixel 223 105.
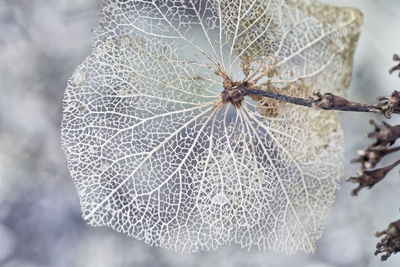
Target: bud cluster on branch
pixel 390 243
pixel 386 135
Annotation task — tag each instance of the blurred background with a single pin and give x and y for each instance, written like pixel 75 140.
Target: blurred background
pixel 42 41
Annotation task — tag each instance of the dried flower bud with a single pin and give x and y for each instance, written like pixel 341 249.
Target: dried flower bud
pixel 333 102
pixel 370 178
pixel 391 104
pixel 397 67
pixel 391 242
pixel 329 101
pixel 370 157
pixel 385 134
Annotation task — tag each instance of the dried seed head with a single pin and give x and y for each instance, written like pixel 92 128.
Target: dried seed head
pixel 385 134
pixel 370 178
pixel 370 157
pixel 391 104
pixel 390 243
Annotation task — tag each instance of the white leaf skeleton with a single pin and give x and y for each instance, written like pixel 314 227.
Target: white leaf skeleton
pixel 160 147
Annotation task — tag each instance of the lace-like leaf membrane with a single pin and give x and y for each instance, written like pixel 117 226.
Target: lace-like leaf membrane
pixel 156 154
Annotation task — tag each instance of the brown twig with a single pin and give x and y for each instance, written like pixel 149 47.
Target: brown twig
pixel 280 97
pixel 330 101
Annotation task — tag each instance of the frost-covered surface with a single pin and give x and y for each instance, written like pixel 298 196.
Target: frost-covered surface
pixel 40 214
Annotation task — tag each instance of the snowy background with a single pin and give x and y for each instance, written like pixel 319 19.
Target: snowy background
pixel 42 41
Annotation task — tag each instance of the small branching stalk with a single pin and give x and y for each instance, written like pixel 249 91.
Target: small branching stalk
pixel 397 67
pixel 370 178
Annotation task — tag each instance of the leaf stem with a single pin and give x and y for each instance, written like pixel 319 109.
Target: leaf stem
pixel 327 101
pixel 280 97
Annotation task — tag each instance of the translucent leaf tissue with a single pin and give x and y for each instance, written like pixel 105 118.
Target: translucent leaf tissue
pixel 155 149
